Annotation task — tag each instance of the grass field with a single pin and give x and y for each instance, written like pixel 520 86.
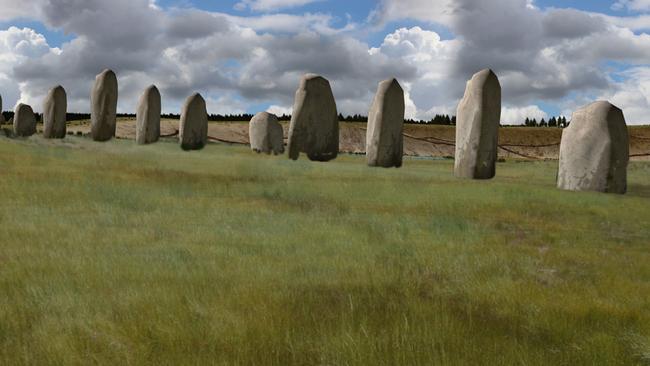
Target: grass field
pixel 118 254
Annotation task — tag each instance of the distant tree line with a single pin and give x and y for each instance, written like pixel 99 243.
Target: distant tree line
pixel 560 122
pixel 438 119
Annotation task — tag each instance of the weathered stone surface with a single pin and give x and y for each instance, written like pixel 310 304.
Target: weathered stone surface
pixel 193 127
pixel 477 127
pixel 314 127
pixel 384 140
pixel 594 151
pixel 265 134
pixel 24 121
pixel 147 126
pixel 103 100
pixel 55 108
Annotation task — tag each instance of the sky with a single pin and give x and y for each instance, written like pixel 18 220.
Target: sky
pixel 247 56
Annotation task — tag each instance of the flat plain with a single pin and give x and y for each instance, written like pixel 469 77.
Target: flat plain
pixel 113 253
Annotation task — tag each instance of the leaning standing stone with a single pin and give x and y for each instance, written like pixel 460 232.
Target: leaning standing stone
pixel 103 100
pixel 24 121
pixel 314 127
pixel 147 128
pixel 384 140
pixel 265 134
pixel 54 113
pixel 193 127
pixel 477 127
pixel 594 151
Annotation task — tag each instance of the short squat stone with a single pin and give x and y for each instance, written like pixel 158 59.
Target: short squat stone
pixel 147 127
pixel 193 127
pixel 594 151
pixel 477 127
pixel 384 140
pixel 24 121
pixel 314 127
pixel 103 100
pixel 265 134
pixel 54 113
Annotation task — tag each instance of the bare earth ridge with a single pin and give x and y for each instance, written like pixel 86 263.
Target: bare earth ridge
pixel 419 140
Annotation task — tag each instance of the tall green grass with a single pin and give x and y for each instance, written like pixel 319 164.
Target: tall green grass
pixel 112 253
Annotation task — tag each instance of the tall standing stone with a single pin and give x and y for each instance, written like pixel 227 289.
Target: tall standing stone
pixel 55 108
pixel 147 128
pixel 103 100
pixel 477 127
pixel 24 121
pixel 2 117
pixel 265 134
pixel 384 140
pixel 595 150
pixel 314 127
pixel 193 127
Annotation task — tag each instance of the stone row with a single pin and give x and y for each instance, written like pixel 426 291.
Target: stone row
pixel 594 151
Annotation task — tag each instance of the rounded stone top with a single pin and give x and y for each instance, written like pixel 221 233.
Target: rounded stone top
pixel 310 76
pixel 57 90
pixel 107 74
pixel 600 105
pixel 22 106
pixel 262 117
pixel 312 79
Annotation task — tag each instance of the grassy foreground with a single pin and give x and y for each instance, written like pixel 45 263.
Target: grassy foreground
pixel 112 253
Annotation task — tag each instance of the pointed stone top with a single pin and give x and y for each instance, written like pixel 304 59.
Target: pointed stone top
pixel 107 71
pixel 485 71
pixel 151 91
pixel 390 83
pixel 484 76
pixel 195 96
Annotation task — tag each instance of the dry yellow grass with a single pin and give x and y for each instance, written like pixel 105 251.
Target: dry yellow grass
pixel 113 253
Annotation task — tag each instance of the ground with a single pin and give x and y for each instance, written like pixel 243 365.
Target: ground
pixel 113 253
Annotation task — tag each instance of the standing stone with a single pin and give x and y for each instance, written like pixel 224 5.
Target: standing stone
pixel 384 140
pixel 265 134
pixel 314 127
pixel 477 127
pixel 147 128
pixel 193 127
pixel 103 100
pixel 24 121
pixel 2 117
pixel 54 113
pixel 595 150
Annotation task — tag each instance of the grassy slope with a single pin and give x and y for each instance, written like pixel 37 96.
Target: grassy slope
pixel 117 254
